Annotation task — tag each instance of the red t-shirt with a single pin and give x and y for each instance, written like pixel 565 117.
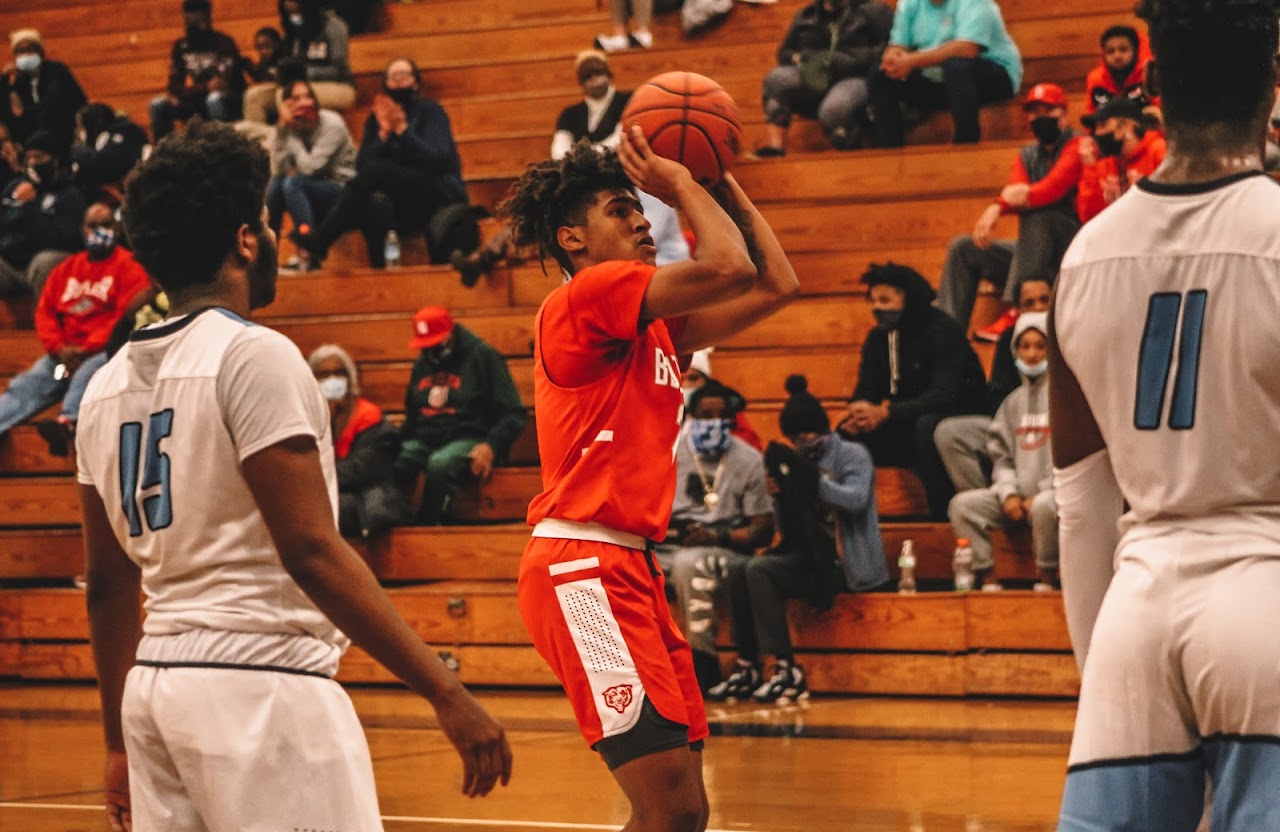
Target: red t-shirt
pixel 607 395
pixel 83 299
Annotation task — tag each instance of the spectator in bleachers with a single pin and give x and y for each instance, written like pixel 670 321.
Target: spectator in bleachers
pixel 81 302
pixel 1125 55
pixel 944 54
pixel 721 515
pixel 823 64
pixel 107 147
pixel 1042 193
pixel 825 508
pixel 206 74
pixel 407 169
pixel 697 375
pixel 41 212
pixel 365 447
pixel 461 412
pixel 316 42
pixel 917 369
pixel 1123 150
pixel 312 158
pixel 962 440
pixel 39 94
pixel 639 13
pixel 262 68
pixel 11 162
pixel 1021 491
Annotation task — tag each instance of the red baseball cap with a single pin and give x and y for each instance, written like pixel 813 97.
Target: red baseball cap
pixel 1050 94
pixel 431 326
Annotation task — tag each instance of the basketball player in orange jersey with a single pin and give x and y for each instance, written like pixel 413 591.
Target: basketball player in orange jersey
pixel 608 398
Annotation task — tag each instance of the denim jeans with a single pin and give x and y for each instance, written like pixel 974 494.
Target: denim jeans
pixel 306 198
pixel 33 391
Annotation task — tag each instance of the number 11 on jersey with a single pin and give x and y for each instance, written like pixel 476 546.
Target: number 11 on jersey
pixel 1155 360
pixel 157 507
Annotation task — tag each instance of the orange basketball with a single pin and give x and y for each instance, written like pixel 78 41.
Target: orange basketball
pixel 688 118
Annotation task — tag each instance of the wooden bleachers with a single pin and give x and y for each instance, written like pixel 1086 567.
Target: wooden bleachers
pixel 502 70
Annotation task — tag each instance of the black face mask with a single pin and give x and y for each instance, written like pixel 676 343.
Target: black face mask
pixel 887 318
pixel 1108 144
pixel 1046 129
pixel 438 354
pixel 403 97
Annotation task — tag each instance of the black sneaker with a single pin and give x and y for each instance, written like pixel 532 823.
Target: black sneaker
pixel 787 685
pixel 739 685
pixel 768 151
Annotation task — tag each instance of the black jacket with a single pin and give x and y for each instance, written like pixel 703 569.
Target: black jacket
pixel 427 145
pixel 108 157
pixel 863 36
pixel 368 500
pixel 937 369
pixel 52 219
pixel 60 97
pixel 199 59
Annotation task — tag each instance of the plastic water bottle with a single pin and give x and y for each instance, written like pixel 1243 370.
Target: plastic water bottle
pixel 962 564
pixel 391 249
pixel 907 569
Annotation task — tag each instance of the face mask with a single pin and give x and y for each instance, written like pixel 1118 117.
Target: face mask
pixel 437 355
pixel 1046 129
pixel 306 113
pixel 1032 371
pixel 1108 144
pixel 403 97
pixel 814 449
pixel 295 20
pixel 887 318
pixel 711 437
pixel 334 388
pixel 42 174
pixel 99 242
pixel 27 63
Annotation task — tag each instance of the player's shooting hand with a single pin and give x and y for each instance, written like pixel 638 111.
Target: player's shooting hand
pixel 480 741
pixel 651 173
pixel 1013 509
pixel 482 457
pixel 116 778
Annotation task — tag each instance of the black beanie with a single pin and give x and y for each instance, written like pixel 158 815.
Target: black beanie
pixel 802 413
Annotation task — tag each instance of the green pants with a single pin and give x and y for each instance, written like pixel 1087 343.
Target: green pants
pixel 446 467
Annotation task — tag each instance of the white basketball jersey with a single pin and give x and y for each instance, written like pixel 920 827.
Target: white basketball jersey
pixel 1168 313
pixel 163 429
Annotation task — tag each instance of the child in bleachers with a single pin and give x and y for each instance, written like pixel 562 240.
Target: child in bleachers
pixel 1125 55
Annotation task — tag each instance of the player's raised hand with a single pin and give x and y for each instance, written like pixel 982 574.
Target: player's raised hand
pixel 651 173
pixel 480 741
pixel 116 778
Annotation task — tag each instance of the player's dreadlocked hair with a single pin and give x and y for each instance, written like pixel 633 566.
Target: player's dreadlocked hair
pixel 1215 59
pixel 553 194
pixel 185 204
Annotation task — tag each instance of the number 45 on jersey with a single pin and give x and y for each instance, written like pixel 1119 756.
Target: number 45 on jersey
pixel 156 507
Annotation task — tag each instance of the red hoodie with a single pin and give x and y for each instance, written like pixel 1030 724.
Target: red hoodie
pixel 1091 197
pixel 83 300
pixel 1101 87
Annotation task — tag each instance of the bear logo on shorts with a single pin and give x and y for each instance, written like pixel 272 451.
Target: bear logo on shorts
pixel 618 697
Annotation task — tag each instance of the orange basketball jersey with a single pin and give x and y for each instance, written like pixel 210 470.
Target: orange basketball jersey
pixel 607 395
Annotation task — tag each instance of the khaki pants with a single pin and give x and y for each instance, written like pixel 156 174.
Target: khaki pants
pixel 261 99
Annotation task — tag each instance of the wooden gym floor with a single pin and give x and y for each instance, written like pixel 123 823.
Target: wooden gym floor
pixel 845 765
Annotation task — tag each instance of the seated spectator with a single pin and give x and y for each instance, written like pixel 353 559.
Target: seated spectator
pixel 407 170
pixel 107 147
pixel 962 440
pixel 1042 193
pixel 697 376
pixel 266 47
pixel 953 54
pixel 206 74
pixel 41 213
pixel 639 13
pixel 917 369
pixel 312 158
pixel 825 505
pixel 721 515
pixel 39 94
pixel 822 70
pixel 11 161
pixel 318 43
pixel 461 412
pixel 1022 478
pixel 1123 151
pixel 365 447
pixel 81 302
pixel 1125 55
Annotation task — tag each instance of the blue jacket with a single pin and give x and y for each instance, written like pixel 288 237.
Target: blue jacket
pixel 427 144
pixel 848 485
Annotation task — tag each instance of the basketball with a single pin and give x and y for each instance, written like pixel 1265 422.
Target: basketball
pixel 689 118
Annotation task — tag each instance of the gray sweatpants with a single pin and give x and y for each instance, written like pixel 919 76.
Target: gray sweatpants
pixel 845 101
pixel 694 572
pixel 962 444
pixel 975 513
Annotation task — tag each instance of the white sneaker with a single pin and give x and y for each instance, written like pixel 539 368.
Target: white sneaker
pixel 993 587
pixel 642 39
pixel 613 43
pixel 1041 586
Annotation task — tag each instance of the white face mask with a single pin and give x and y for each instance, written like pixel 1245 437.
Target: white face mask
pixel 1031 370
pixel 334 388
